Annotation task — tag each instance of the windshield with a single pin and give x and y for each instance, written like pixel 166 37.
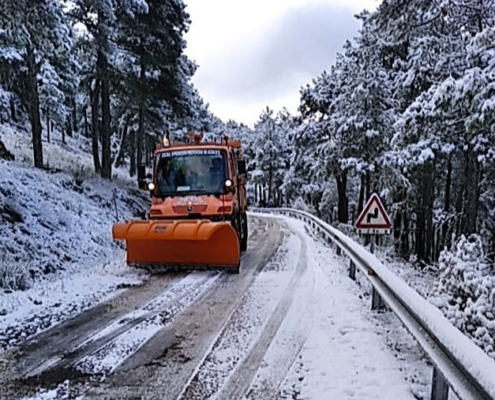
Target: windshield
pixel 182 172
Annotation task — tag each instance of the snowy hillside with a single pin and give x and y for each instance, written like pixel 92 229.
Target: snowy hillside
pixel 57 223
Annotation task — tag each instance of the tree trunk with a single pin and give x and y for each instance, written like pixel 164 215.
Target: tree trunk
pixel 470 203
pixel 461 194
pixel 140 136
pixel 106 157
pixel 428 203
pixel 270 178
pixel 48 130
pixel 86 128
pixel 13 113
pixel 446 206
pixel 132 153
pixel 34 108
pixel 140 133
pixel 424 212
pixel 420 232
pixel 68 127
pixel 398 221
pixel 74 115
pixel 120 156
pixel 368 185
pixel 343 204
pixel 405 234
pixel 95 101
pixel 270 164
pixel 361 196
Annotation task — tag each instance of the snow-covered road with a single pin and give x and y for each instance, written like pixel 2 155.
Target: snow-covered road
pixel 291 325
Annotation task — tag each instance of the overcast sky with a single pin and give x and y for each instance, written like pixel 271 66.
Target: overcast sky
pixel 258 53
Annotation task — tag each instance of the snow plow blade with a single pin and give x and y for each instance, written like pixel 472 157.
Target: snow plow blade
pixel 191 244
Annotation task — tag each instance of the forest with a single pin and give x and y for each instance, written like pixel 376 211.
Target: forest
pixel 406 110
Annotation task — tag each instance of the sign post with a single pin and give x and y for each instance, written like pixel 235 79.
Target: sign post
pixel 373 221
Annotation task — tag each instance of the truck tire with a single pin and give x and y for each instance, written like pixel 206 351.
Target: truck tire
pixel 244 232
pixel 234 270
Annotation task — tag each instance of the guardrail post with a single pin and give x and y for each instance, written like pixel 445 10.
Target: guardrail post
pixel 439 388
pixel 377 302
pixel 339 250
pixel 372 244
pixel 352 270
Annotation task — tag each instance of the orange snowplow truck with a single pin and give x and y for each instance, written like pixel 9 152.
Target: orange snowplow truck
pixel 198 218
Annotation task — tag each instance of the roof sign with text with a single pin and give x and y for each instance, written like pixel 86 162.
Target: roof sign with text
pixel 191 152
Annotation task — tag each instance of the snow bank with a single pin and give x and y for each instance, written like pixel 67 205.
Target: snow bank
pixel 56 219
pixel 55 233
pixel 49 222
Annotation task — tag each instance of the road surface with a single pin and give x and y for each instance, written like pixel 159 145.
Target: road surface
pixel 289 326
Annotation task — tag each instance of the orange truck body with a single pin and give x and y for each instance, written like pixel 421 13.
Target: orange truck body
pixel 198 215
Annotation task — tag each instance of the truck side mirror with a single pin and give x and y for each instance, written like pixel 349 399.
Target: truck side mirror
pixel 241 167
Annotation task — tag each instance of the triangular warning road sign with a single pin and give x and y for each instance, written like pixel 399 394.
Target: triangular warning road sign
pixel 373 219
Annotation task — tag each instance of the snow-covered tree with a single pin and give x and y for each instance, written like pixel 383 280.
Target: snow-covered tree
pixel 465 291
pixel 34 34
pixel 269 162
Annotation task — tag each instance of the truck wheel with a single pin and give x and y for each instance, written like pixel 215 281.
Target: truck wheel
pixel 244 232
pixel 234 270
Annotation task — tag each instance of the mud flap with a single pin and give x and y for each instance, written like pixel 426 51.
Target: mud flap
pixel 180 243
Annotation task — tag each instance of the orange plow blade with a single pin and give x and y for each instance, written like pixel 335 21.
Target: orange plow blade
pixel 189 243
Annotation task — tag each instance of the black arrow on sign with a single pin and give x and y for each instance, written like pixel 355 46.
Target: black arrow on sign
pixel 370 216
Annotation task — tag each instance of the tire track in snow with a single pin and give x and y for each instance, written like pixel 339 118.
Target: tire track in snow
pixel 240 382
pixel 163 367
pixel 160 369
pixel 157 315
pixel 286 345
pixel 35 365
pixel 50 346
pixel 231 362
pixel 122 336
pixel 356 362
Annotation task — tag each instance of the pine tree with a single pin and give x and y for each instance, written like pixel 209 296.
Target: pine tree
pixel 38 32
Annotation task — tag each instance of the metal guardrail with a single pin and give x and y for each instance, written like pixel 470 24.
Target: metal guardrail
pixel 458 363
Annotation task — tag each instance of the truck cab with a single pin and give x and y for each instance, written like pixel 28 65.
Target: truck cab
pixel 200 180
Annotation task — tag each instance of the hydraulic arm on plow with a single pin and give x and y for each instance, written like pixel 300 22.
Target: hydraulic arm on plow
pixel 197 218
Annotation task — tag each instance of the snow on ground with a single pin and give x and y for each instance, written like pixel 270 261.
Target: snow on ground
pixel 59 392
pixel 244 330
pixel 329 344
pixel 73 156
pixel 470 356
pixel 420 278
pixel 55 236
pixel 159 312
pixel 347 354
pixel 59 298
